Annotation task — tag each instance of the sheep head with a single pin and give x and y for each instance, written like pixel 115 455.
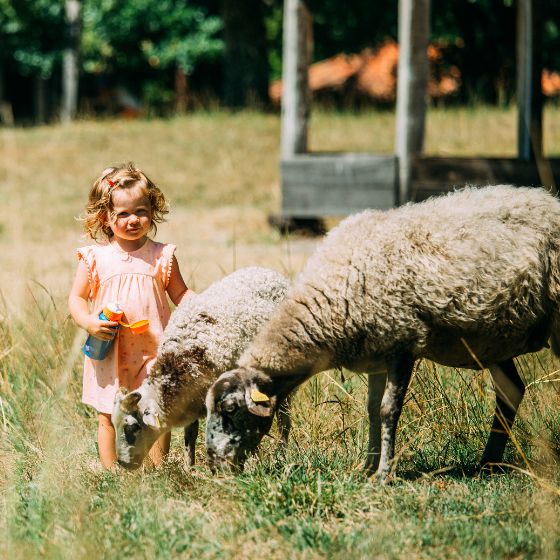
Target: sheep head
pixel 137 421
pixel 241 406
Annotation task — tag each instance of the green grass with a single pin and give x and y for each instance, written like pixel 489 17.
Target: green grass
pixel 311 501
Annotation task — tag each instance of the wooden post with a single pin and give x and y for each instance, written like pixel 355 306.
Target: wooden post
pixel 529 68
pixel 296 57
pixel 414 32
pixel 70 62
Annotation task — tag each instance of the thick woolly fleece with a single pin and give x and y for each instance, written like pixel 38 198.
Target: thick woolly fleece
pixel 467 279
pixel 206 335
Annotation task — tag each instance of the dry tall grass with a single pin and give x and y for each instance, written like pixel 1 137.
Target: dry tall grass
pixel 220 172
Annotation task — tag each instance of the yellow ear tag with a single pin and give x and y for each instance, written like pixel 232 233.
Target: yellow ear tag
pixel 257 396
pixel 156 415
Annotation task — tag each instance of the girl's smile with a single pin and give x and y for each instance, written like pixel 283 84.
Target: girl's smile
pixel 131 218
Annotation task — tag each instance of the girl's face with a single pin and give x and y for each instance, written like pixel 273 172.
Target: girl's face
pixel 132 214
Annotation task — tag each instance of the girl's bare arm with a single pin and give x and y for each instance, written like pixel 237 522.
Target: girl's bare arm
pixel 176 288
pixel 78 306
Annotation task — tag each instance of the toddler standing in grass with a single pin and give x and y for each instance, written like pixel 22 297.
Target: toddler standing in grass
pixel 124 266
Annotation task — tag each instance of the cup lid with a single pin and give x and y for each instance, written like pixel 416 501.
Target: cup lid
pixel 112 311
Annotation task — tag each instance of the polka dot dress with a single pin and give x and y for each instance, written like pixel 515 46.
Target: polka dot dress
pixel 138 282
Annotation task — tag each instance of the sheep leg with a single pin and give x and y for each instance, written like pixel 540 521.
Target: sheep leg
pixel 191 433
pixel 509 389
pixel 376 387
pixel 399 372
pixel 284 420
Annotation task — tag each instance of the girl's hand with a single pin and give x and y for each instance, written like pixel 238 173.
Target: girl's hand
pixel 104 330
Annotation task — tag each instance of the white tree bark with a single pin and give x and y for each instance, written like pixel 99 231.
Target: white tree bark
pixel 70 63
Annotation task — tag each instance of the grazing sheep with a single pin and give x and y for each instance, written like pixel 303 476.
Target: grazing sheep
pixel 205 336
pixel 467 280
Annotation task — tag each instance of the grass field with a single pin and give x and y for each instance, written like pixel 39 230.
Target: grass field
pixel 220 172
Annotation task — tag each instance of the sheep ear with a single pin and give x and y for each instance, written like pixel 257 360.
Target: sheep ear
pixel 150 416
pixel 130 401
pixel 120 395
pixel 259 403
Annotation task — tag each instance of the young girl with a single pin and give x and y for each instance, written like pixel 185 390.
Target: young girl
pixel 129 268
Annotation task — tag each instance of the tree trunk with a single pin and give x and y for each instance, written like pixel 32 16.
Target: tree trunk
pixel 181 91
pixel 2 86
pixel 2 95
pixel 6 114
pixel 246 54
pixel 70 62
pixel 40 99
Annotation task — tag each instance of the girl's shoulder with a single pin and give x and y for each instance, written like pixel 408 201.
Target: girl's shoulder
pixel 97 246
pixel 89 252
pixel 90 256
pixel 164 250
pixel 158 245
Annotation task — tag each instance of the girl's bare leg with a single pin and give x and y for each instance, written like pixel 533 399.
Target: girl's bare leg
pixel 106 441
pixel 160 449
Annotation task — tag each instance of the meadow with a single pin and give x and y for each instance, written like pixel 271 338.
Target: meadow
pixel 220 172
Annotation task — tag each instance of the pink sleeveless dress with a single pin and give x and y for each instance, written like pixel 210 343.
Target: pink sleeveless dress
pixel 138 282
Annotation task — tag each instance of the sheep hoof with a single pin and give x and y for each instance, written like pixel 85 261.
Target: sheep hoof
pixel 189 457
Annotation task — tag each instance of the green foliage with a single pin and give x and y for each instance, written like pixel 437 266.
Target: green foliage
pixel 134 42
pixel 159 34
pixel 139 42
pixel 32 35
pixel 273 25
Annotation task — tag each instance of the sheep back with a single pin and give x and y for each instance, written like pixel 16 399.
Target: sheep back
pixel 479 264
pixel 208 331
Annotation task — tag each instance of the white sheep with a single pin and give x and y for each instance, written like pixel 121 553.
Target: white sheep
pixel 205 336
pixel 469 279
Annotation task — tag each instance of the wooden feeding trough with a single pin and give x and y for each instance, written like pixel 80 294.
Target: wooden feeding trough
pixel 315 185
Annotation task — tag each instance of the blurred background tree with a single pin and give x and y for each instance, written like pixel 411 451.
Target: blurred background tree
pixel 146 48
pixel 158 57
pixel 32 39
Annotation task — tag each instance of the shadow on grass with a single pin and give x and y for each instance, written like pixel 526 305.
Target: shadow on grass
pixel 466 471
pixel 457 472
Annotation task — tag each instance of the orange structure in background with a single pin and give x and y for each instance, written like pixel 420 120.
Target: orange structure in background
pixel 372 74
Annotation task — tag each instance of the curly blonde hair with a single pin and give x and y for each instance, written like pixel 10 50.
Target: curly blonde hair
pixel 100 204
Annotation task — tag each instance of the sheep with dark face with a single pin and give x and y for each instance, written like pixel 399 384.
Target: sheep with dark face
pixel 205 336
pixel 467 280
